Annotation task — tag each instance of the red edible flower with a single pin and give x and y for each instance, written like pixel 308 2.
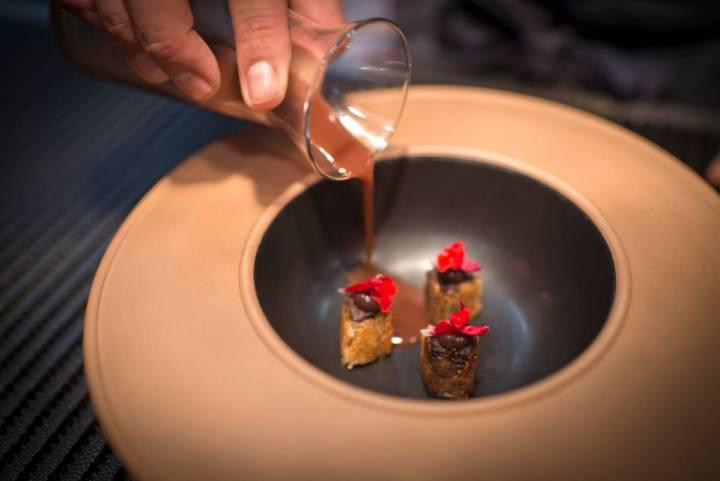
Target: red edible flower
pixel 380 288
pixel 453 258
pixel 457 324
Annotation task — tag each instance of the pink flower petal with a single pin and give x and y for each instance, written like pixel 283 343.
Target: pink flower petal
pixel 471 266
pixel 460 317
pixel 443 327
pixel 475 330
pixel 387 286
pixel 444 262
pixel 364 286
pixel 384 302
pixel 452 257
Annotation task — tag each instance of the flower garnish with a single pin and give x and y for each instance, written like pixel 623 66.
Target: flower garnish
pixel 453 258
pixel 380 288
pixel 457 324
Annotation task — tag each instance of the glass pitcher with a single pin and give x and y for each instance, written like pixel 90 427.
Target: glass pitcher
pixel 331 70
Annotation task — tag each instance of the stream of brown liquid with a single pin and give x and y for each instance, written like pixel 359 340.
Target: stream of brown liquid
pixel 408 309
pixel 350 154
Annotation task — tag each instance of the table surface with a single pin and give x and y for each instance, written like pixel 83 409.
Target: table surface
pixel 76 154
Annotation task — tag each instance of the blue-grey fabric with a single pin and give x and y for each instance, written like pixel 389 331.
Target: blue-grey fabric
pixel 76 154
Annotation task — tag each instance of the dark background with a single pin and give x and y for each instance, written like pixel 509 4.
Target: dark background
pixel 77 153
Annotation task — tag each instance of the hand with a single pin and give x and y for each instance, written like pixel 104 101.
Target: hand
pixel 159 43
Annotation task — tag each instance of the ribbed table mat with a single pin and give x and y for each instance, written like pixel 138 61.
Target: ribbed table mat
pixel 76 154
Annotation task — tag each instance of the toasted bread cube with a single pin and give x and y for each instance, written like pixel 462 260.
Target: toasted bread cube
pixel 441 300
pixel 448 373
pixel 364 341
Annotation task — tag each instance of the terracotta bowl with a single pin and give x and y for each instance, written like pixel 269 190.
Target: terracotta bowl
pixel 210 343
pixel 548 271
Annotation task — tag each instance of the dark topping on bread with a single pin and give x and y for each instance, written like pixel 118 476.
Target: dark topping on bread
pixel 355 313
pixel 454 276
pixel 380 289
pixel 455 341
pixel 451 355
pixel 366 303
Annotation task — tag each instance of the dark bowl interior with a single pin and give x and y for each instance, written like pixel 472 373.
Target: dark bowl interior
pixel 549 275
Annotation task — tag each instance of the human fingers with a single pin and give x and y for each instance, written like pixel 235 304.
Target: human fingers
pixel 116 20
pixel 262 44
pixel 164 29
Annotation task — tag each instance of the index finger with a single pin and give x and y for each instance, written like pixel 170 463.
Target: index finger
pixel 164 28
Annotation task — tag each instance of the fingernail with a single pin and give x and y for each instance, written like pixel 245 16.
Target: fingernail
pixel 147 68
pixel 262 82
pixel 193 85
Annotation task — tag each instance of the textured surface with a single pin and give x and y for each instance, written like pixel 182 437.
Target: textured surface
pixel 75 156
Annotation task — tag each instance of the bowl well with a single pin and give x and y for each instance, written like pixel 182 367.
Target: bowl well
pixel 548 272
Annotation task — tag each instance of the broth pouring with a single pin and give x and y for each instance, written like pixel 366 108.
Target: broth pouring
pixel 350 154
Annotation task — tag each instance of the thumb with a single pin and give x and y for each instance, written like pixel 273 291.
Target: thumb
pixel 262 42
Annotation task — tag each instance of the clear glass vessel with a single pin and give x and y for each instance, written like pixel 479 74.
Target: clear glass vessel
pixel 332 69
